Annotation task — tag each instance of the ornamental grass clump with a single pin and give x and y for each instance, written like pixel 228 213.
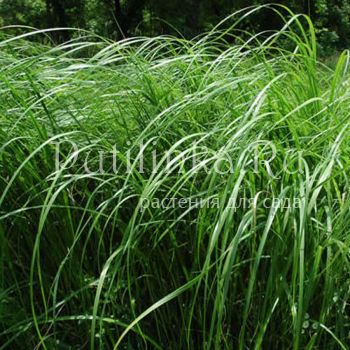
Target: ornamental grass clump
pixel 161 193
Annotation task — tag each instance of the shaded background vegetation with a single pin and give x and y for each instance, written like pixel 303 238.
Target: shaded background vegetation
pixel 123 18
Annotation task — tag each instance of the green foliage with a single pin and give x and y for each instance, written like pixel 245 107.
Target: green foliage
pixel 188 17
pixel 333 27
pixel 23 12
pixel 85 264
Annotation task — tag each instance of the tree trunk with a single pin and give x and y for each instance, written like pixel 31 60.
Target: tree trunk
pixel 119 17
pixel 133 14
pixel 309 8
pixel 57 18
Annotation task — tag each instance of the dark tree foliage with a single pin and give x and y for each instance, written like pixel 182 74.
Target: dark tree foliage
pixel 123 18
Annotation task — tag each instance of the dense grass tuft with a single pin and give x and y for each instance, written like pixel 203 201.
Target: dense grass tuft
pixel 171 238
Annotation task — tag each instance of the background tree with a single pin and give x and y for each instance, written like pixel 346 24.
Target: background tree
pixel 118 18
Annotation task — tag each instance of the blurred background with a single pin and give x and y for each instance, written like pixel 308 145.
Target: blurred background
pixel 116 19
